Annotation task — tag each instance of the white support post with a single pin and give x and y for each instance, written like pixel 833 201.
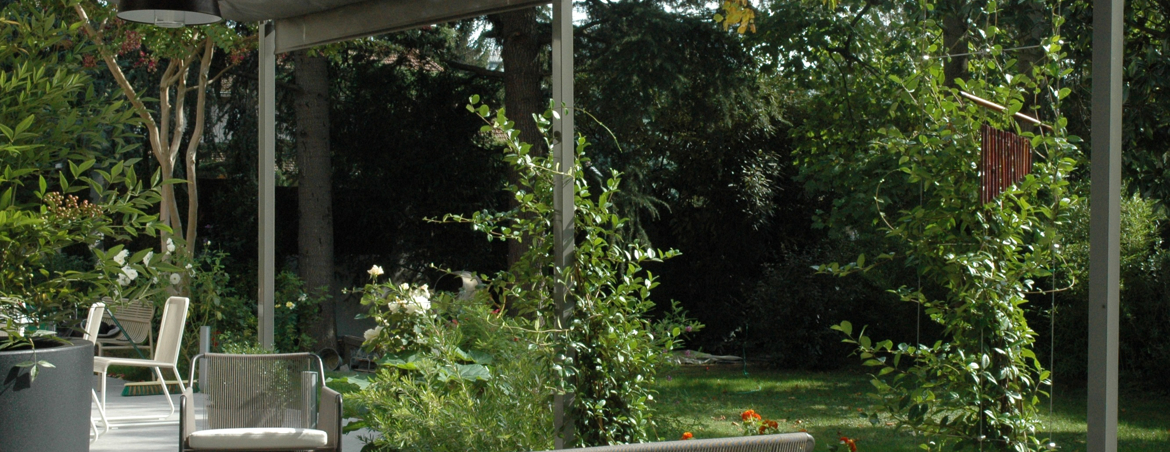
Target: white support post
pixel 266 178
pixel 564 154
pixel 1105 225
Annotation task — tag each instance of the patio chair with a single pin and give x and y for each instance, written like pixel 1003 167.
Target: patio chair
pixel 93 323
pixel 259 403
pixel 166 355
pixel 784 442
pixel 135 319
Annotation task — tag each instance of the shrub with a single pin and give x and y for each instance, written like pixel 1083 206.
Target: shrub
pixel 457 375
pixel 1145 298
pixel 64 193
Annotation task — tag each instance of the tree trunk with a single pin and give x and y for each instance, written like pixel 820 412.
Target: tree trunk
pixel 955 30
pixel 314 191
pixel 516 31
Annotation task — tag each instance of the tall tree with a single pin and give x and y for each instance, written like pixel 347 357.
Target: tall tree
pixel 315 188
pixel 520 38
pixel 188 54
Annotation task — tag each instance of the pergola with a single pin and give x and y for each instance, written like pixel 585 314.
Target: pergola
pixel 288 25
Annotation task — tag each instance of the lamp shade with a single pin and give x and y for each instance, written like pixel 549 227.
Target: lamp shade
pixel 170 13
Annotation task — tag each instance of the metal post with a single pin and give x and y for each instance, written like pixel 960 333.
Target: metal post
pixel 1105 225
pixel 266 177
pixel 564 154
pixel 204 348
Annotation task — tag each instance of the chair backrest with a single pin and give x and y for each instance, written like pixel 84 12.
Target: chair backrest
pixel 93 322
pixel 134 317
pixel 245 391
pixel 170 330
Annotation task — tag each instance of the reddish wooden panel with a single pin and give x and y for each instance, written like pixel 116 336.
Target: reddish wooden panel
pixel 1005 159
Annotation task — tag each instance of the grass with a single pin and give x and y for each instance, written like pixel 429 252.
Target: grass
pixel 706 400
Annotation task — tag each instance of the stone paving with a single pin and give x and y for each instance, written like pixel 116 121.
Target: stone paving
pixel 155 438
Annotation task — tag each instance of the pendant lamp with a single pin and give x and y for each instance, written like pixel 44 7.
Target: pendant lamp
pixel 170 13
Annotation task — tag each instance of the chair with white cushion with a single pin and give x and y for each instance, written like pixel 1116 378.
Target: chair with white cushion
pixel 259 403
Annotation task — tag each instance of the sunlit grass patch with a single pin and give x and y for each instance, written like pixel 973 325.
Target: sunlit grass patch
pixel 708 400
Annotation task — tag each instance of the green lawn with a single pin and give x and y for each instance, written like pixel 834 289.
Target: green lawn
pixel 706 400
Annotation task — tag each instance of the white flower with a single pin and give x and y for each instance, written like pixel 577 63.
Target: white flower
pixel 129 272
pixel 176 278
pixel 120 258
pixel 302 298
pixel 170 246
pixel 370 334
pixel 146 259
pixel 290 305
pixel 393 306
pixel 123 280
pixel 375 271
pixel 190 270
pixel 422 302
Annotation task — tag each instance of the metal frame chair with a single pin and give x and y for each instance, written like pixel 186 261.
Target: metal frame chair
pixel 259 403
pixel 166 354
pixel 93 323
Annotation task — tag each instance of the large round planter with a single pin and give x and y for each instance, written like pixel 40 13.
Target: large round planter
pixel 52 412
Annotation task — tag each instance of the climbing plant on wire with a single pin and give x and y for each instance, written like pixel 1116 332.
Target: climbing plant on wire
pixel 980 385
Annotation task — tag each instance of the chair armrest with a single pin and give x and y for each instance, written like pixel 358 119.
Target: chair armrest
pixel 186 417
pixel 329 417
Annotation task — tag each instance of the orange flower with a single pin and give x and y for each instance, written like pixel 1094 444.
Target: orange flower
pixel 772 424
pixel 763 428
pixel 749 414
pixel 687 435
pixel 852 443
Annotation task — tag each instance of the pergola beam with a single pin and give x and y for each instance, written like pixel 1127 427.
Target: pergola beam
pixel 1105 224
pixel 376 17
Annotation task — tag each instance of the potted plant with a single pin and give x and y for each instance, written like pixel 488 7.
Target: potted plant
pixel 65 194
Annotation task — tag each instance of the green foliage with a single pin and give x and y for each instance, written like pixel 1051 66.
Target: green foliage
pixel 790 309
pixel 1145 297
pixel 393 116
pixel 468 379
pixel 699 134
pixel 1146 117
pixel 216 302
pixel 979 385
pixel 612 354
pixel 480 371
pixel 60 143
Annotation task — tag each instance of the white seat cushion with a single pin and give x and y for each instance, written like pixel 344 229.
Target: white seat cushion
pixel 257 438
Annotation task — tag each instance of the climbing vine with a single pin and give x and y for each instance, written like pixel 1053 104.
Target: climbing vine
pixel 980 384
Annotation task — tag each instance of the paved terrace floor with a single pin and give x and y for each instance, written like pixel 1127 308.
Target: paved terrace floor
pixel 156 438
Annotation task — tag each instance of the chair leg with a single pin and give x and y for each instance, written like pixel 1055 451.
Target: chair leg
pixel 102 413
pixel 182 387
pixel 102 403
pixel 163 382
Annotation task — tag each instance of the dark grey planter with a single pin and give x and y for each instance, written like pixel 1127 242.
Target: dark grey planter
pixel 52 412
